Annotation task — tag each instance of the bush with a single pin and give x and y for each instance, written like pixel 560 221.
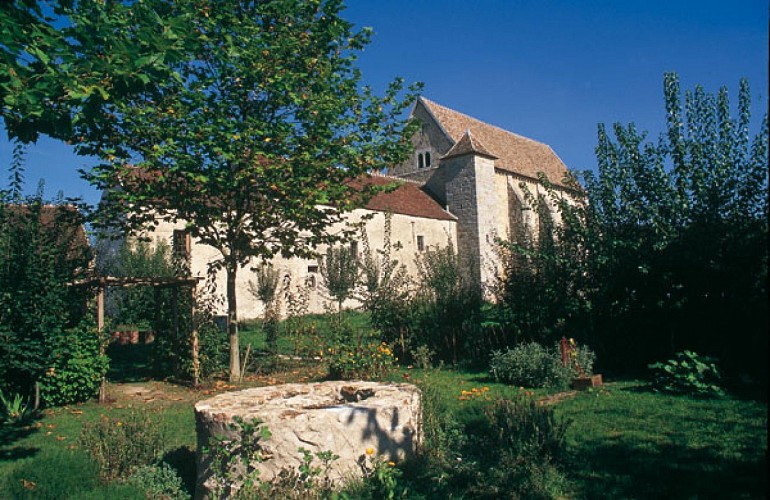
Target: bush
pixel 42 247
pixel 158 481
pixel 523 446
pixel 355 356
pixel 447 308
pixel 76 367
pixel 122 444
pixel 688 373
pixel 530 365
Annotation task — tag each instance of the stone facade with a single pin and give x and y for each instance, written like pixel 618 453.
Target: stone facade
pixel 483 175
pixel 467 183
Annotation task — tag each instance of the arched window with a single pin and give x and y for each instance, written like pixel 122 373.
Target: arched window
pixel 420 161
pixel 427 159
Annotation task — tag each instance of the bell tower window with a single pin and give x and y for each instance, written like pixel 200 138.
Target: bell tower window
pixel 423 159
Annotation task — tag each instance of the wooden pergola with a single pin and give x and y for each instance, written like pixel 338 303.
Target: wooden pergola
pixel 100 283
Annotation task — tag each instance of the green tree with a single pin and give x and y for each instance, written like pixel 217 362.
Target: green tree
pixel 668 249
pixel 340 270
pixel 42 248
pixel 255 143
pixel 63 64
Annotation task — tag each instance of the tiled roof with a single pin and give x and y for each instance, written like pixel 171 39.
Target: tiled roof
pixel 514 153
pixel 468 144
pixel 407 199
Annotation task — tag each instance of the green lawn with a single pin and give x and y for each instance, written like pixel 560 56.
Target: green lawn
pixel 624 442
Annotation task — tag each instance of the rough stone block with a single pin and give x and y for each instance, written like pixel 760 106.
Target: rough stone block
pixel 340 416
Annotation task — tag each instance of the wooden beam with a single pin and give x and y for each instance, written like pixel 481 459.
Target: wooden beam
pixel 100 333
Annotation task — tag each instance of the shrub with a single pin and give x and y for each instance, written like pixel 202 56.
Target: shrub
pixel 530 365
pixel 385 289
pixel 358 357
pixel 121 444
pixel 76 367
pixel 13 409
pixel 158 481
pixel 447 308
pixel 42 247
pixel 688 373
pixel 523 445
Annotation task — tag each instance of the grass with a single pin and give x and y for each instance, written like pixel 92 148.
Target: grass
pixel 629 442
pixel 624 441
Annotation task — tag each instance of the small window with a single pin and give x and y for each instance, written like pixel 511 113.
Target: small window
pixel 310 281
pixel 354 249
pixel 420 243
pixel 427 159
pixel 420 161
pixel 312 269
pixel 181 244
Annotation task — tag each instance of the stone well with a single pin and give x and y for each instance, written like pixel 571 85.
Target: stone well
pixel 344 417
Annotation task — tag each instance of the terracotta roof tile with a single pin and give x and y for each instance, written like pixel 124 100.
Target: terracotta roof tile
pixel 514 153
pixel 407 199
pixel 468 144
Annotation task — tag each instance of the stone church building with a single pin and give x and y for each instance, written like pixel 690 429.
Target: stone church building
pixel 465 184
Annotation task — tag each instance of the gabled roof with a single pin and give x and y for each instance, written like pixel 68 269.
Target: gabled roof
pixel 466 145
pixel 514 153
pixel 407 198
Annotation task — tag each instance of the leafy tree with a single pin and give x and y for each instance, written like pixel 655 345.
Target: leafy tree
pixel 340 270
pixel 668 249
pixel 42 247
pixel 63 64
pixel 254 144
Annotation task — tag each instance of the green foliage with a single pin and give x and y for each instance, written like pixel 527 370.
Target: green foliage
pixel 54 76
pixel 42 247
pixel 158 481
pixel 340 270
pixel 356 356
pixel 233 456
pixel 76 367
pixel 530 365
pixel 667 249
pixel 137 306
pixel 380 481
pixel 688 373
pixel 13 409
pixel 306 481
pixel 266 289
pixel 386 294
pixel 447 308
pixel 523 445
pixel 247 144
pixel 121 444
pixel 60 474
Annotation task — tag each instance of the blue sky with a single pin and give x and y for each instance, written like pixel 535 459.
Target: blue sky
pixel 550 70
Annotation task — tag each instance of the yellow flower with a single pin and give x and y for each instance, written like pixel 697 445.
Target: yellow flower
pixel 370 451
pixel 392 463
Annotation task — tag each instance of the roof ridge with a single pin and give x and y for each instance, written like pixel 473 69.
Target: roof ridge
pixel 468 144
pixel 434 103
pixel 396 178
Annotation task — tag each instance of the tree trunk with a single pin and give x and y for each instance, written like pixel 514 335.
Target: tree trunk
pixel 232 323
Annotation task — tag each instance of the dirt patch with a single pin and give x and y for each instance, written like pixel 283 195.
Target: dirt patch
pixel 556 398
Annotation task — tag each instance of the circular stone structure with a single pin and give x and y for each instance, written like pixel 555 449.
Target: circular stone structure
pixel 344 417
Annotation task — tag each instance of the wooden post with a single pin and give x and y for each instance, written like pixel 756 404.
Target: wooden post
pixel 100 330
pixel 194 341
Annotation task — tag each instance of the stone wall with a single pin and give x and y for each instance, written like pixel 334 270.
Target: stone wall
pixel 299 272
